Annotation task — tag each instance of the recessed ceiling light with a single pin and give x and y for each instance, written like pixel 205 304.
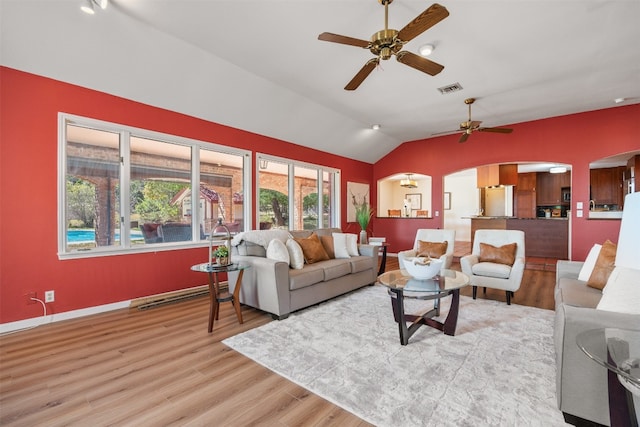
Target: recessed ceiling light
pixel 557 169
pixel 375 127
pixel 426 49
pixel 619 100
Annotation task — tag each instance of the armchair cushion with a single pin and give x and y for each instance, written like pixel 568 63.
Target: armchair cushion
pixel 604 266
pixel 432 249
pixel 491 269
pixel 505 254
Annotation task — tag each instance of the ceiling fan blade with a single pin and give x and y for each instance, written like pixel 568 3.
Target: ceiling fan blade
pixel 447 132
pixel 474 125
pixel 464 136
pixel 336 38
pixel 362 74
pixel 421 23
pixel 496 130
pixel 419 63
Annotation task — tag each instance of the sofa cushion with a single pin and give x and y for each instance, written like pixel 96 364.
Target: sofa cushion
pixel 622 292
pixel 327 244
pixel 360 263
pixel 312 249
pixel 335 268
pixel 340 245
pixel 309 275
pixel 604 266
pixel 251 249
pixel 277 251
pixel 296 257
pixel 505 254
pixel 576 293
pixel 432 249
pixel 589 263
pixel 491 269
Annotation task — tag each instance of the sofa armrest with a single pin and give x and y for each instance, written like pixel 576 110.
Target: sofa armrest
pixel 581 384
pixel 369 250
pixel 568 269
pixel 265 285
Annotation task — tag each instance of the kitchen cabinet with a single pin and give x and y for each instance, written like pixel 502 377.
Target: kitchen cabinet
pixel 525 196
pixel 549 187
pixel 526 181
pixel 606 185
pixel 490 176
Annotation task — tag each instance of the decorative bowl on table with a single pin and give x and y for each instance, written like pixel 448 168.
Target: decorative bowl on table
pixel 422 267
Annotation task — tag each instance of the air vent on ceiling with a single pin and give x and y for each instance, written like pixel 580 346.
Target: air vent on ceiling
pixel 450 88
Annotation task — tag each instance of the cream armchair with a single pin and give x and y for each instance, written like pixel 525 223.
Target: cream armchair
pixel 495 275
pixel 431 235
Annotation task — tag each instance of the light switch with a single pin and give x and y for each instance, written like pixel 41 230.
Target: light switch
pixel 579 205
pixel 437 213
pixel 579 213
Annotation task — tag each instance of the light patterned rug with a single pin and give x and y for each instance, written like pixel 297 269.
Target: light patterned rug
pixel 498 370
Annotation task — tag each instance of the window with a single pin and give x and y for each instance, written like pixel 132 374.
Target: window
pixel 176 189
pixel 296 196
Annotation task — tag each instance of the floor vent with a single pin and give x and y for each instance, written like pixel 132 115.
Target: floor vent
pixel 172 298
pixel 455 87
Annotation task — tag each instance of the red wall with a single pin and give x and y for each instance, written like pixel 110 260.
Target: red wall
pixel 576 139
pixel 28 204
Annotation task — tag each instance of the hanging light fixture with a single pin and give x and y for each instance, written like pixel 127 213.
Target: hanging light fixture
pixel 557 169
pixel 408 182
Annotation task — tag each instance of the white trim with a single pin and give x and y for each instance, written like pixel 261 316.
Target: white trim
pixel 73 314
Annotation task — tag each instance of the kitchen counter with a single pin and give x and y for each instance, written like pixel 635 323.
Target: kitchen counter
pixel 543 237
pixel 513 217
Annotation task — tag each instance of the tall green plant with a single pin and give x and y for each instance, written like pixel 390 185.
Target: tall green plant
pixel 364 212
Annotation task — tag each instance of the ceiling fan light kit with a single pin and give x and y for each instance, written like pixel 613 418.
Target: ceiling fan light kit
pixel 388 42
pixel 426 49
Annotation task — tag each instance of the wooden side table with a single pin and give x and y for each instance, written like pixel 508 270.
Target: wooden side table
pixel 383 264
pixel 216 295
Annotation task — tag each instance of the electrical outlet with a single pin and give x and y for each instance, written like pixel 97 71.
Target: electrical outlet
pixel 49 296
pixel 30 295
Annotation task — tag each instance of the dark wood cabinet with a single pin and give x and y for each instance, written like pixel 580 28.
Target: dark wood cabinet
pixel 489 176
pixel 526 181
pixel 606 185
pixel 525 196
pixel 549 187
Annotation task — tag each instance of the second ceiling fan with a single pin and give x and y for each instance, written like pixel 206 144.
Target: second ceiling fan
pixel 471 126
pixel 388 42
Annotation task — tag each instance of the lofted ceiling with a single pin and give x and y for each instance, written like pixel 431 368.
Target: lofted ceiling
pixel 258 65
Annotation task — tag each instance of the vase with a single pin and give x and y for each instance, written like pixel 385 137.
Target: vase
pixel 363 237
pixel 223 260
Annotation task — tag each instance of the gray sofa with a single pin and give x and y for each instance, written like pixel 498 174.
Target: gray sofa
pixel 274 287
pixel 581 384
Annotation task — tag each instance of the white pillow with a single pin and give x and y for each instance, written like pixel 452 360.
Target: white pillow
pixel 352 245
pixel 340 245
pixel 589 263
pixel 622 291
pixel 296 257
pixel 278 251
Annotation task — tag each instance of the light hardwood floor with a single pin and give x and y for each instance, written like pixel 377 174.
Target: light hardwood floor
pixel 161 367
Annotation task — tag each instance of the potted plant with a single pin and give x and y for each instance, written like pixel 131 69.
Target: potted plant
pixel 364 212
pixel 222 255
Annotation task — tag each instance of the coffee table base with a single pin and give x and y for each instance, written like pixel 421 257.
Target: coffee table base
pixel 401 318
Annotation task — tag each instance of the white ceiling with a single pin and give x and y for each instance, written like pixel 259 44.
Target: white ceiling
pixel 257 64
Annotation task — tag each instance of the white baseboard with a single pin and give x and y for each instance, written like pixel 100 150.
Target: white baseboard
pixel 50 318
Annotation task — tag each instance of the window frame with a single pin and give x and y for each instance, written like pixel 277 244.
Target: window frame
pixel 334 182
pixel 126 132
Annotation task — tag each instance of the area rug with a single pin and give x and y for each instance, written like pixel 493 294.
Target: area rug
pixel 498 369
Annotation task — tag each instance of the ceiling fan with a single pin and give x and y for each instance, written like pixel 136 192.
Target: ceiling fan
pixel 388 42
pixel 474 125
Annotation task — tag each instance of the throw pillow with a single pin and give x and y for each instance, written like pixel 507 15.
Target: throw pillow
pixel 352 244
pixel 312 249
pixel 432 249
pixel 340 245
pixel 278 251
pixel 604 265
pixel 327 244
pixel 622 292
pixel 589 263
pixel 295 254
pixel 505 254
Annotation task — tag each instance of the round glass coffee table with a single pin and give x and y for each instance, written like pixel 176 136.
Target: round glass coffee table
pixel 402 285
pixel 618 350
